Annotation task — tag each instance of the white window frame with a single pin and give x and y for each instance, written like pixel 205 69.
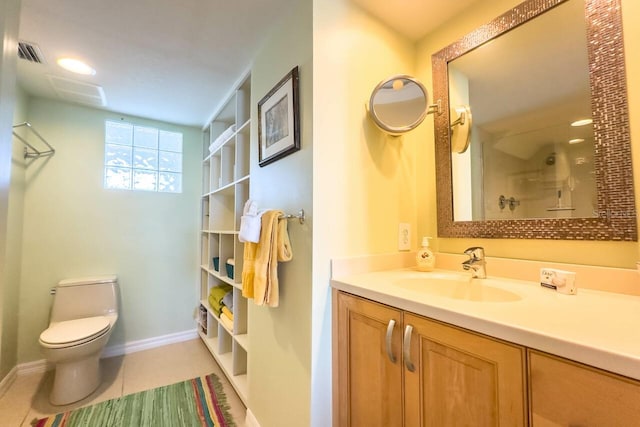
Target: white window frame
pixel 142 158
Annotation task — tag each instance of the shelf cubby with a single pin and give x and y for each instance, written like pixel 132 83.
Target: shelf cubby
pixel 204 287
pixel 204 212
pixel 206 177
pixel 204 248
pixel 225 190
pixel 242 152
pixel 239 359
pixel 222 211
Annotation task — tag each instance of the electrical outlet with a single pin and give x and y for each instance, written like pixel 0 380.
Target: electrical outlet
pixel 404 236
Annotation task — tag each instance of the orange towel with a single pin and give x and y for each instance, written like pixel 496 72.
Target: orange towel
pixel 260 271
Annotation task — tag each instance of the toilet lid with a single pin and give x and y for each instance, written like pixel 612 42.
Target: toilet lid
pixel 70 331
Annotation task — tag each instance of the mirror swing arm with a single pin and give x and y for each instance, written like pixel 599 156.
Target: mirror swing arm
pixel 461 136
pixel 462 114
pixel 435 108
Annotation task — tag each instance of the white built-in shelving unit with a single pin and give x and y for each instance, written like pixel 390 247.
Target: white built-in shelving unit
pixel 226 178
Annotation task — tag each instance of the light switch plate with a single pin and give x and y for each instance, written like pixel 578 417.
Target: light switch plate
pixel 404 236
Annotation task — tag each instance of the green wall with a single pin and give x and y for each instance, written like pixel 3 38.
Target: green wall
pixel 14 237
pixel 9 13
pixel 73 227
pixel 280 354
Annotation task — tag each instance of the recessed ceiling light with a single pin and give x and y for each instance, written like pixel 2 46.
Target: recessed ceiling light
pixel 582 122
pixel 76 66
pixel 576 141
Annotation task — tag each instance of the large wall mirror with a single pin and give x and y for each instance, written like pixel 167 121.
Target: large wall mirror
pixel 549 153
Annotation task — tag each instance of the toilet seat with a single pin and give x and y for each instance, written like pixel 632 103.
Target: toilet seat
pixel 74 332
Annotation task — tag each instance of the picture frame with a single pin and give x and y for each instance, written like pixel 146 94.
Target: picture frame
pixel 279 120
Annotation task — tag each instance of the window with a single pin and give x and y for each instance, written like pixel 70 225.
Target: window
pixel 142 158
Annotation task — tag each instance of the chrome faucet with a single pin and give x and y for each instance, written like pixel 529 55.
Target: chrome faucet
pixel 476 262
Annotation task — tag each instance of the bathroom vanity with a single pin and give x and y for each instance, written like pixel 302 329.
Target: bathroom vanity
pixel 439 375
pixel 437 349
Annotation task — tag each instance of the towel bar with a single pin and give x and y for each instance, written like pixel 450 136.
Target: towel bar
pixel 35 153
pixel 299 216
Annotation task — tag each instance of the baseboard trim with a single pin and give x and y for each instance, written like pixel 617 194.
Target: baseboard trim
pixel 8 380
pixel 35 367
pixel 250 420
pixel 40 366
pixel 149 343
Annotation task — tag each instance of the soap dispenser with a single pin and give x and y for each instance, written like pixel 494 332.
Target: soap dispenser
pixel 425 259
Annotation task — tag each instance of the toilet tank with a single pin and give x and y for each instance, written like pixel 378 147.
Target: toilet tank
pixel 85 297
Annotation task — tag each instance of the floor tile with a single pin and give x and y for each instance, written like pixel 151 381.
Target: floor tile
pixel 235 406
pixel 110 388
pixel 166 365
pixel 28 397
pixel 16 402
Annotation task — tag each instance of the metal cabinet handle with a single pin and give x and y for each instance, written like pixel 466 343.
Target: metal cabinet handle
pixel 406 348
pixel 390 326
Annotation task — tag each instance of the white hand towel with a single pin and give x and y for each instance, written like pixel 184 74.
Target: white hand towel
pixel 250 223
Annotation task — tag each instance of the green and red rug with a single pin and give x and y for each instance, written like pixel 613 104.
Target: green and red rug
pixel 197 402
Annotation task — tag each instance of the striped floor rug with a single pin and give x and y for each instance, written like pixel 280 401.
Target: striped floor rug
pixel 197 402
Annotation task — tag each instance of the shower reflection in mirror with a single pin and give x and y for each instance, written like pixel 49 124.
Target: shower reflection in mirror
pixel 526 140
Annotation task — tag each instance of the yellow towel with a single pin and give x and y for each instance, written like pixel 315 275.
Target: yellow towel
pixel 225 310
pixel 248 268
pixel 215 296
pixel 228 323
pixel 260 271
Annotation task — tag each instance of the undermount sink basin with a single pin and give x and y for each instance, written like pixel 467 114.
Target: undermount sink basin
pixel 457 287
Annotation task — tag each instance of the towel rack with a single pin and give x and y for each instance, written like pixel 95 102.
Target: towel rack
pixel 299 216
pixel 35 153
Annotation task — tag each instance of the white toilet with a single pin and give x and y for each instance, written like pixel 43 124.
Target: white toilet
pixel 83 315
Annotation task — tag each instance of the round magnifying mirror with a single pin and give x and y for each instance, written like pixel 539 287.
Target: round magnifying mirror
pixel 398 104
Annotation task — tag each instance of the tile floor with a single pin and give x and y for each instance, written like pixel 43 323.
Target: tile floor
pixel 27 398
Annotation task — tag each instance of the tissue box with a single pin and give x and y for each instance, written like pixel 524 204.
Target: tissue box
pixel 560 280
pixel 216 263
pixel 230 267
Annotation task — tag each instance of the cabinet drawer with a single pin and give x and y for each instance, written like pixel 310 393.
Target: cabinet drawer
pixel 566 393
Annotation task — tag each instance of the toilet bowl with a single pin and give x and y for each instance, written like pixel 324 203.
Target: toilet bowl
pixel 83 315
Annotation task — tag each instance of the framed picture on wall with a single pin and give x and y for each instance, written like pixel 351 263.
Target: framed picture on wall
pixel 279 125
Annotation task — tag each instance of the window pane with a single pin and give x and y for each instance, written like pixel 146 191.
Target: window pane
pixel 143 158
pixel 119 178
pixel 117 155
pixel 145 137
pixel 118 133
pixel 171 141
pixel 144 180
pixel 170 182
pixel 133 159
pixel 170 161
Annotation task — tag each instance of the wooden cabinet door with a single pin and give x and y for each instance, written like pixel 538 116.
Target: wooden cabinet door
pixel 369 384
pixel 461 378
pixel 565 393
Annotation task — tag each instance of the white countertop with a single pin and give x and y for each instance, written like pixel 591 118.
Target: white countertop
pixel 600 329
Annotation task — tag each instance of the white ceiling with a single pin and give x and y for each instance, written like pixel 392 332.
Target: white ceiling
pixel 171 60
pixel 167 60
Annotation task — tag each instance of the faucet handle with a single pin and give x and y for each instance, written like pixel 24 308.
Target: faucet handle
pixel 475 252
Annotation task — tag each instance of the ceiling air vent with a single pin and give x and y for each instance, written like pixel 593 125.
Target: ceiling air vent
pixel 78 91
pixel 30 52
